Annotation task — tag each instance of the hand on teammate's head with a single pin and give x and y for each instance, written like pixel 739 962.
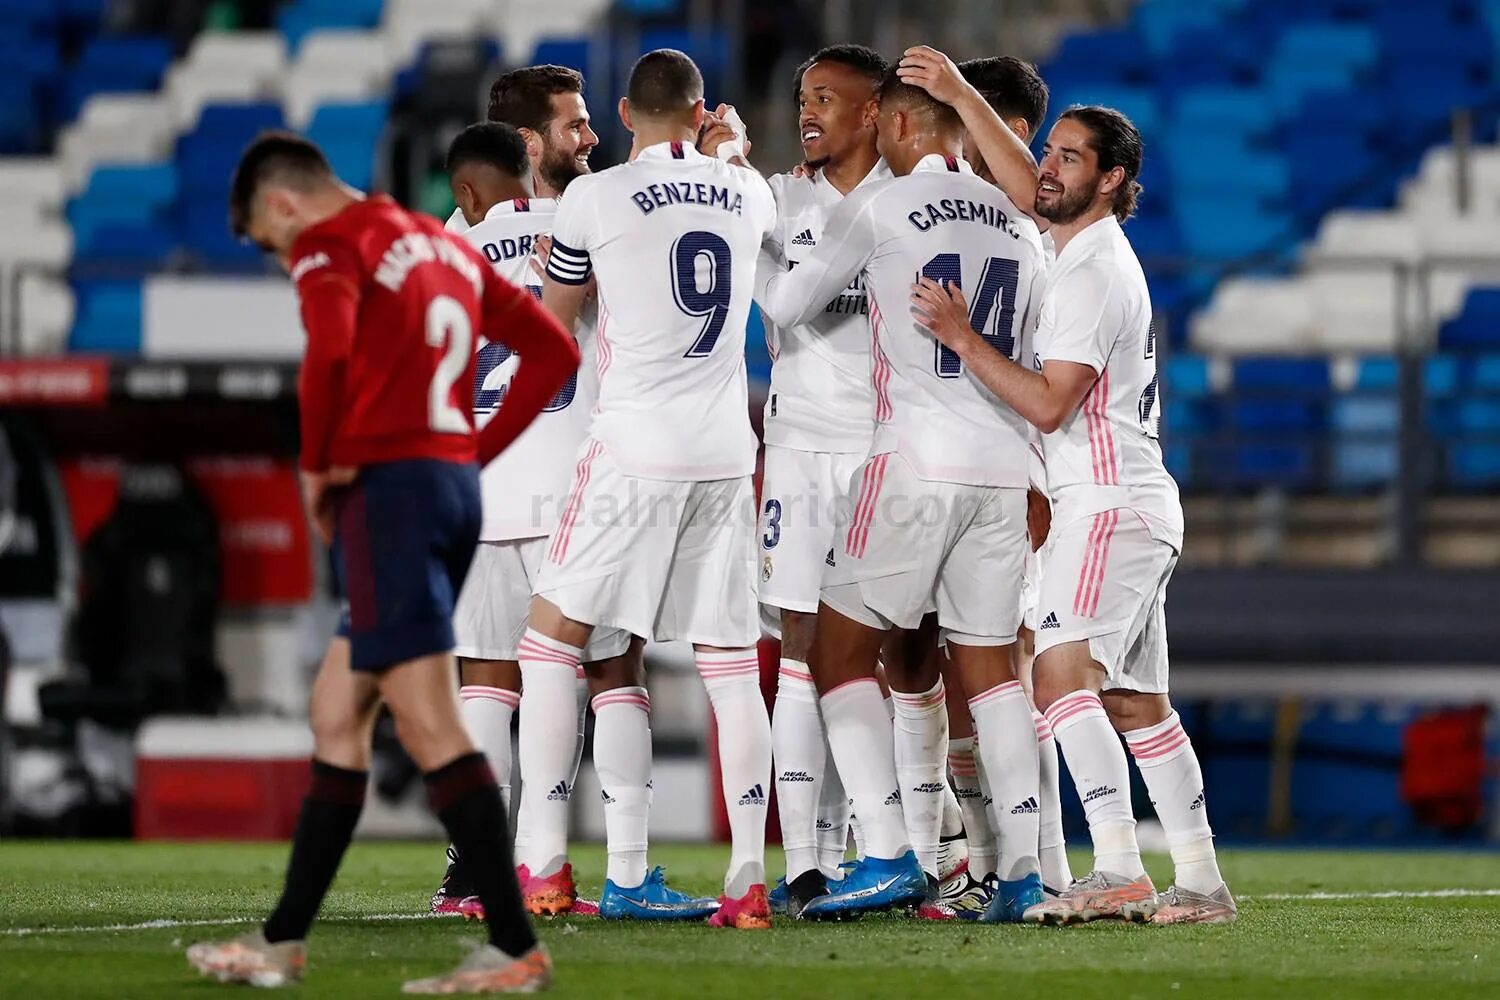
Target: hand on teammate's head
pixel 924 66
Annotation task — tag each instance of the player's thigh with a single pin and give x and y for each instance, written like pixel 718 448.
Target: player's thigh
pixel 404 537
pixel 490 617
pixel 1101 581
pixel 342 710
pixel 888 555
pixel 978 588
pixel 607 561
pixel 709 598
pixel 801 494
pixel 422 695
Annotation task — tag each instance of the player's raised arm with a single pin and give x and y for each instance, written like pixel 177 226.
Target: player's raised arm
pixel 1006 156
pixel 791 297
pixel 548 353
pixel 1046 398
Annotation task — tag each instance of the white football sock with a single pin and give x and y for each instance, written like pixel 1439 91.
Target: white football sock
pixel 548 747
pixel 487 712
pixel 953 816
pixel 800 753
pixel 920 730
pixel 859 732
pixel 1056 874
pixel 1169 766
pixel 1007 742
pixel 622 759
pixel 964 769
pixel 1097 762
pixel 833 816
pixel 581 691
pixel 744 727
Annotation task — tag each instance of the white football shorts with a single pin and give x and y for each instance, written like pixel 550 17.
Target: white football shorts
pixel 658 558
pixel 801 496
pixel 490 616
pixel 1104 580
pixel 912 546
pixel 1028 590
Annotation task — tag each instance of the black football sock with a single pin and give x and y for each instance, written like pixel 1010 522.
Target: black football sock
pixel 807 887
pixel 465 797
pixel 324 829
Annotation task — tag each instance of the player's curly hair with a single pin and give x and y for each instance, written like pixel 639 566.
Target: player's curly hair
pixel 1117 142
pixel 1011 86
pixel 494 143
pixel 860 58
pixel 273 157
pixel 522 98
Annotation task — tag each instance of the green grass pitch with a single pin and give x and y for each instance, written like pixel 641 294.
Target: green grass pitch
pixel 1379 931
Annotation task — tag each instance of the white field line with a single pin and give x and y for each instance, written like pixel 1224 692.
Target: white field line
pixel 155 925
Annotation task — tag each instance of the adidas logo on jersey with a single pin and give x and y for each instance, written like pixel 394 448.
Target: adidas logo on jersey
pixel 796 776
pixel 893 799
pixel 804 239
pixel 1197 803
pixel 1023 808
pixel 1098 792
pixel 560 793
pixel 1050 621
pixel 929 788
pixel 754 797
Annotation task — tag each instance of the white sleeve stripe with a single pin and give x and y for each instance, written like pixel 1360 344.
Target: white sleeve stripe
pixel 567 265
pixel 562 250
pixel 566 277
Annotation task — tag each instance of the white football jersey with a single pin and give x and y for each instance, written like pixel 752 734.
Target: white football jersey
pixel 1096 311
pixel 820 396
pixel 943 222
pixel 672 237
pixel 524 489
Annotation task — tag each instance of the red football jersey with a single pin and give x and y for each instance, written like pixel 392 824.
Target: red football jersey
pixel 392 306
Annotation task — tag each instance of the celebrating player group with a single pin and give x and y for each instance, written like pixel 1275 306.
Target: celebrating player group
pixel 963 538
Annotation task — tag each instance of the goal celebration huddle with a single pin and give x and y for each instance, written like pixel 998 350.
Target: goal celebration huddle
pixel 526 438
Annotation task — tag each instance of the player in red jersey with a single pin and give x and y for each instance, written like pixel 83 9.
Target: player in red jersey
pixel 391 306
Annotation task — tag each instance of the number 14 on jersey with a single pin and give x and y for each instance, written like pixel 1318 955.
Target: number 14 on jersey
pixel 997 287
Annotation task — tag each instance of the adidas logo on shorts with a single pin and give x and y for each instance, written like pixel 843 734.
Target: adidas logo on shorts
pixel 829 558
pixel 559 793
pixel 893 799
pixel 804 239
pixel 609 799
pixel 754 797
pixel 1050 621
pixel 1024 808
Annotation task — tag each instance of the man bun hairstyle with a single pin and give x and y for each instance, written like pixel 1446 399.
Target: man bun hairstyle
pixel 664 83
pixel 1117 142
pixel 494 143
pixel 278 157
pixel 860 58
pixel 522 98
pixel 1011 86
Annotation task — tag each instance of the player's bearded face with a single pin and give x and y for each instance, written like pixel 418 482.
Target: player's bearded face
pixel 831 108
pixel 567 143
pixel 1069 176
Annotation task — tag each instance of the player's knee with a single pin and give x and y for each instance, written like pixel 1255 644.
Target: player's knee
pixel 1131 710
pixel 340 735
pixel 429 739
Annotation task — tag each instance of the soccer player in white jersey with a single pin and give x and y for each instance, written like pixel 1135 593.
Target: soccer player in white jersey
pixel 658 534
pixel 819 418
pixel 939 509
pixel 1091 389
pixel 522 492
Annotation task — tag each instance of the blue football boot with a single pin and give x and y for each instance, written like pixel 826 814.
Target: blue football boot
pixel 777 897
pixel 652 900
pixel 1012 899
pixel 873 884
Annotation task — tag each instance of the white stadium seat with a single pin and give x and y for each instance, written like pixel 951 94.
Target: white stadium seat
pixel 259 54
pixel 1256 316
pixel 1367 234
pixel 190 88
pixel 31 180
pixel 406 24
pixel 46 314
pixel 49 243
pixel 115 128
pixel 334 66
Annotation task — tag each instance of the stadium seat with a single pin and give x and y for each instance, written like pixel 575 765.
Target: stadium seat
pixel 119 195
pixel 1477 326
pixel 1359 465
pixel 44 314
pixel 1474 465
pixel 109 317
pixel 1364 414
pixel 574 53
pixel 116 63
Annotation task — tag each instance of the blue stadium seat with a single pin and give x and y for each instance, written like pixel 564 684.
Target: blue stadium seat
pixel 1359 465
pixel 1301 376
pixel 1441 375
pixel 207 155
pixel 1474 465
pixel 109 317
pixel 20 122
pixel 1484 373
pixel 1178 458
pixel 1186 377
pixel 1377 374
pixel 1270 463
pixel 1279 416
pixel 1116 55
pixel 297 20
pixel 1365 415
pixel 1477 325
pixel 135 247
pixel 1353 47
pixel 116 63
pixel 1242 110
pixel 574 53
pixel 349 135
pixel 204 224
